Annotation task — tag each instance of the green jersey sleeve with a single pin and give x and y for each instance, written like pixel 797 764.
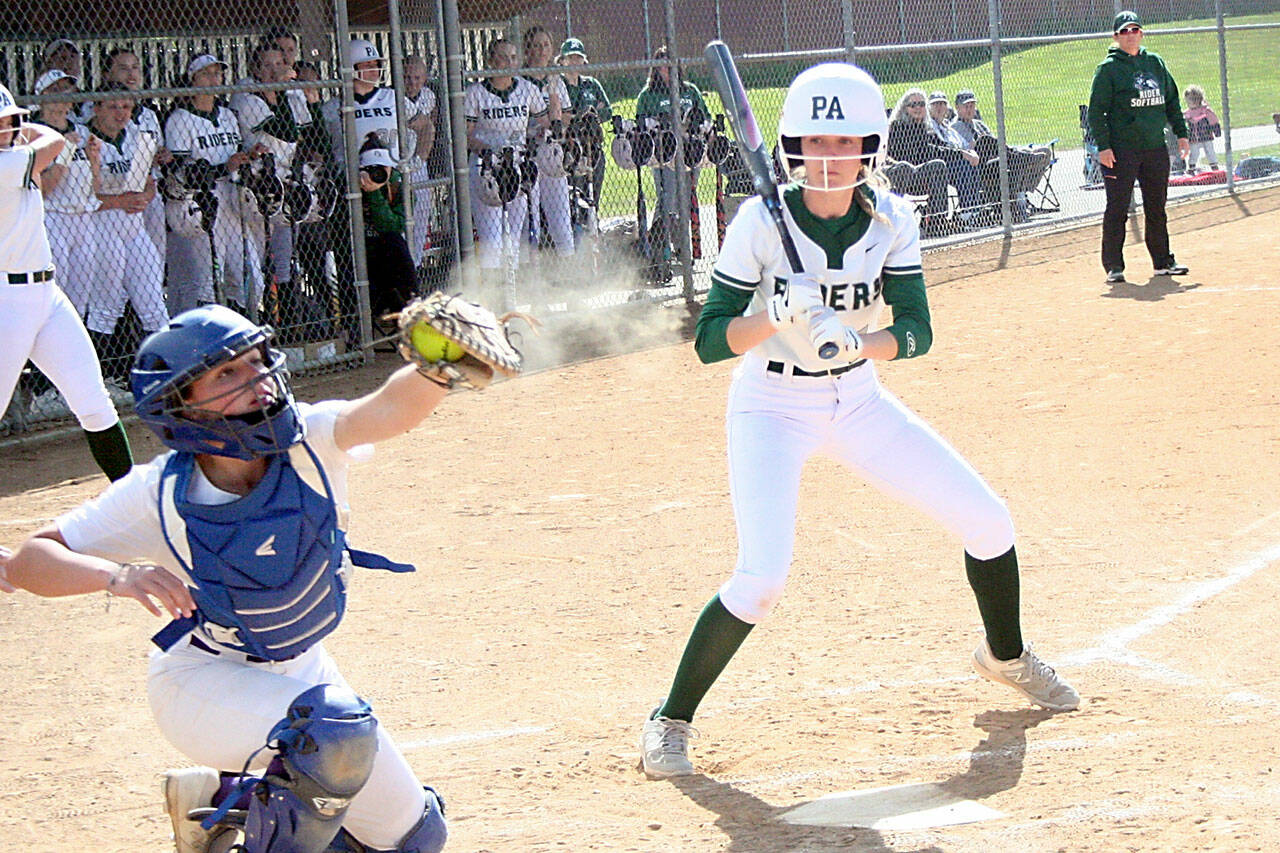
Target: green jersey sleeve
pixel 911 327
pixel 723 304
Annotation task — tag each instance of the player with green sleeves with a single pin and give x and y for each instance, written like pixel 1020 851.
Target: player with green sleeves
pixel 654 102
pixel 1132 98
pixel 860 250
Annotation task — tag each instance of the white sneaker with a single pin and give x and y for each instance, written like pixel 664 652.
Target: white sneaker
pixel 664 747
pixel 184 790
pixel 1030 676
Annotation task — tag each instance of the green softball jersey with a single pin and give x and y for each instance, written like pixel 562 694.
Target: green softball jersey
pixel 864 264
pixel 588 93
pixel 1132 99
pixel 657 102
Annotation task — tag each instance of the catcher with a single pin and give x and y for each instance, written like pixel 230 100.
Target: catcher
pixel 237 535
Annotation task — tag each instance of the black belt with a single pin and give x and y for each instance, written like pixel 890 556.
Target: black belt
pixel 205 647
pixel 780 367
pixel 31 277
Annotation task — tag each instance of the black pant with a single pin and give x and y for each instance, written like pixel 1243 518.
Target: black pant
pixel 1151 169
pixel 392 278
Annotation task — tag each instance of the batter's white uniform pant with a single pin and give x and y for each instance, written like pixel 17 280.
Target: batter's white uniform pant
pixel 499 230
pixel 128 269
pixel 551 197
pixel 73 240
pixel 776 421
pixel 38 322
pixel 218 711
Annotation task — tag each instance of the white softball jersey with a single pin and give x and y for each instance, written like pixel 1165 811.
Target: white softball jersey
pixel 23 244
pixel 73 239
pixel 211 136
pixel 74 193
pixel 253 112
pixel 217 710
pixel 374 113
pixel 752 259
pixel 501 119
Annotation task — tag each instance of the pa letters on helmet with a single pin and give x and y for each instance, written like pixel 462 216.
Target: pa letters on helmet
pixel 826 108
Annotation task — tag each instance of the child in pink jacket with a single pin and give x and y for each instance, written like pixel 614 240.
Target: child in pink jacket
pixel 1202 128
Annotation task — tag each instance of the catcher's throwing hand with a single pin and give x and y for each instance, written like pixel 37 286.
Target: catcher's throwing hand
pixel 472 327
pixel 143 582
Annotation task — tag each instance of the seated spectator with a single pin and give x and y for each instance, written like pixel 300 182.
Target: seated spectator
pixel 913 163
pixel 1026 165
pixel 129 268
pixel 962 164
pixel 391 274
pixel 1202 128
pixel 63 55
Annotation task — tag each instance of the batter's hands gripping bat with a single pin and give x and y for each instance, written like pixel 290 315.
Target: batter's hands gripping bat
pixel 751 143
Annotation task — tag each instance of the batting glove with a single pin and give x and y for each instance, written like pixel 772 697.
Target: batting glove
pixel 801 297
pixel 825 328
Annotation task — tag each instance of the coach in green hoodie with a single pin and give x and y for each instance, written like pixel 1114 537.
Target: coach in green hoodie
pixel 1132 99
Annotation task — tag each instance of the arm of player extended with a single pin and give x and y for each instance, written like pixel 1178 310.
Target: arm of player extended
pixel 400 404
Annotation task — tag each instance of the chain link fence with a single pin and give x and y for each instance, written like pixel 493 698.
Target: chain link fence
pixel 565 157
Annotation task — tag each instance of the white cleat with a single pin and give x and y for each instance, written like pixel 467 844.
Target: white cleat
pixel 664 748
pixel 1030 676
pixel 184 790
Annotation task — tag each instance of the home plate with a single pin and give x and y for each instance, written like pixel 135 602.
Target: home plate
pixel 898 807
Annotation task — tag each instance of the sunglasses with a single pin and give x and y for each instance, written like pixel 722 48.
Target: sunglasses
pixel 915 103
pixel 1130 30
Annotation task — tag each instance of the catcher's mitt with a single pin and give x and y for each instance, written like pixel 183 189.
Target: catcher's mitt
pixel 474 328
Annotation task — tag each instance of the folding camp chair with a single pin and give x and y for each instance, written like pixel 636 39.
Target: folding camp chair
pixel 1042 198
pixel 1092 168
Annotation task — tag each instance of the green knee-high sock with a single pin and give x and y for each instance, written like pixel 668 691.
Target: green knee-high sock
pixel 110 449
pixel 995 584
pixel 716 636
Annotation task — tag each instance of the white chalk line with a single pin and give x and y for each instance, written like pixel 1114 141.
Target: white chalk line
pixel 470 737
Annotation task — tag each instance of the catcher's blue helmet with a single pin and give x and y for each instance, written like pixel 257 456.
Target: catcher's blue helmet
pixel 194 342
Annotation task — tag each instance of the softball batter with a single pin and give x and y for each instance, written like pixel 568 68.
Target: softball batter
pixel 237 534
pixel 786 403
pixel 37 321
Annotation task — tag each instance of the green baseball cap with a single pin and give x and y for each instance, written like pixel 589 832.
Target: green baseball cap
pixel 570 46
pixel 1126 19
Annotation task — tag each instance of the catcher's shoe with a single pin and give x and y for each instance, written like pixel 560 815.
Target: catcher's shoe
pixel 184 790
pixel 1029 675
pixel 664 747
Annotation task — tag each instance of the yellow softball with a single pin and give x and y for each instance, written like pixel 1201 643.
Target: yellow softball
pixel 432 345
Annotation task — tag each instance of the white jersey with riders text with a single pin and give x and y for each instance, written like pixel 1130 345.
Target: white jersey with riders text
pixel 253 112
pixel 752 258
pixel 203 136
pixel 24 246
pixel 374 113
pixel 74 193
pixel 126 160
pixel 502 118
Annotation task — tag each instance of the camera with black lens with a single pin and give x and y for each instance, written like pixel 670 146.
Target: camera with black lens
pixel 378 174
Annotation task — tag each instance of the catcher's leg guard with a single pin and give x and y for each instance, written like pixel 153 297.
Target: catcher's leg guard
pixel 429 833
pixel 327 742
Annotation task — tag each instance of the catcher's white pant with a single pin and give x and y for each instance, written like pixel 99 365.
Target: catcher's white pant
pixel 776 421
pixel 128 269
pixel 495 249
pixel 38 322
pixel 551 196
pixel 73 240
pixel 218 710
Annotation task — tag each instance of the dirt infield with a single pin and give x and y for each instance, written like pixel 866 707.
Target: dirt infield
pixel 565 550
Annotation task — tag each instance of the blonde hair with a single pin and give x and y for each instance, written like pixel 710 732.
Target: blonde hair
pixel 1194 95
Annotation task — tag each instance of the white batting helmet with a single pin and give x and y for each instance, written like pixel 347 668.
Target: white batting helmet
pixel 9 107
pixel 362 50
pixel 550 157
pixel 184 217
pixel 834 99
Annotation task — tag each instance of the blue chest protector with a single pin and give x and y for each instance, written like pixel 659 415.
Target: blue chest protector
pixel 267 569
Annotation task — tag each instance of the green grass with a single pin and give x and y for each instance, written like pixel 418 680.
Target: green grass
pixel 1043 87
